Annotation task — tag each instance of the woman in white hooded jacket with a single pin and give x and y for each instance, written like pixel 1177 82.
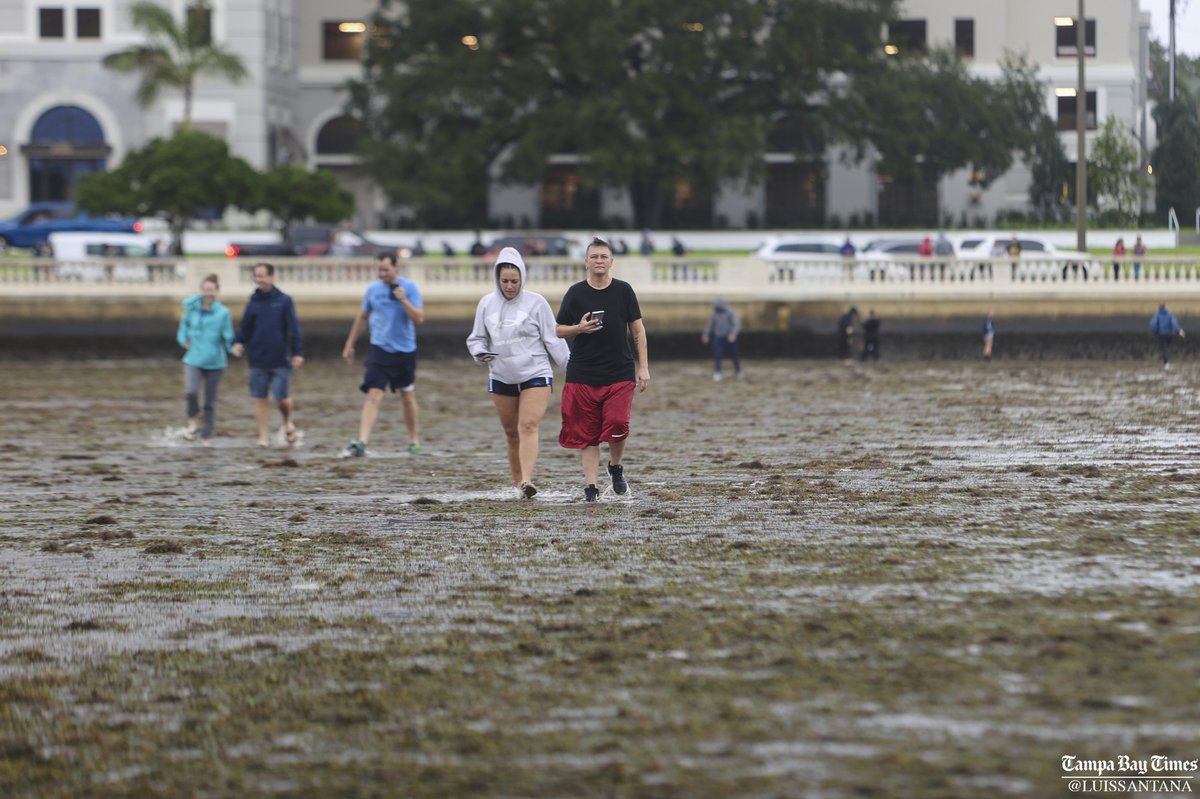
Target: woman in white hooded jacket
pixel 514 335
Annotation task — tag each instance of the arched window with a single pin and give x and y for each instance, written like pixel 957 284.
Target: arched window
pixel 66 143
pixel 339 136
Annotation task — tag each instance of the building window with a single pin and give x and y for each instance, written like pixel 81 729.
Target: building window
pixel 52 24
pixel 87 23
pixel 1066 112
pixel 566 202
pixel 199 23
pixel 964 37
pixel 343 41
pixel 1064 39
pixel 795 195
pixel 908 35
pixel 339 136
pixel 66 143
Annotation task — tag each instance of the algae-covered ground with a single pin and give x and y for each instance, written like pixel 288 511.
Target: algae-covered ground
pixel 926 580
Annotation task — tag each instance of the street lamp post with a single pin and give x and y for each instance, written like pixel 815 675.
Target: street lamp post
pixel 1081 135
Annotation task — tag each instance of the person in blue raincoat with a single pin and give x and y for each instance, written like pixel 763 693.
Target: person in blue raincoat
pixel 206 332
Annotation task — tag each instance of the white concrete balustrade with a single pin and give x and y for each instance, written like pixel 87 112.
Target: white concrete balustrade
pixel 658 279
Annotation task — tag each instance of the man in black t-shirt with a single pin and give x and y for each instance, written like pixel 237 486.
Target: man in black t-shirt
pixel 601 315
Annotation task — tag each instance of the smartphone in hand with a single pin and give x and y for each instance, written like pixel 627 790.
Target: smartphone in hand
pixel 597 316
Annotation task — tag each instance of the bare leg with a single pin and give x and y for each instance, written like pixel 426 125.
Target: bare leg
pixel 410 414
pixel 262 415
pixel 591 464
pixel 532 408
pixel 507 409
pixel 370 413
pixel 615 450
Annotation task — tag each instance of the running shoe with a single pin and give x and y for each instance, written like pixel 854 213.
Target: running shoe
pixel 591 494
pixel 414 449
pixel 528 489
pixel 617 473
pixel 356 449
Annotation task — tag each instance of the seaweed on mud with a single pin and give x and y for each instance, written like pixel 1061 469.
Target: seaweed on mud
pixel 874 612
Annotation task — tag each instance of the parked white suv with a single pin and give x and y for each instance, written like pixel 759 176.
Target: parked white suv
pixel 1040 258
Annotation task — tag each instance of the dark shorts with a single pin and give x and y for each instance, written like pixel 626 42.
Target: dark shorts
pixel 509 390
pixel 397 370
pixel 591 414
pixel 275 381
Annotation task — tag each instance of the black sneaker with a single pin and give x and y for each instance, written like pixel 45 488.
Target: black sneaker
pixel 591 494
pixel 528 489
pixel 618 479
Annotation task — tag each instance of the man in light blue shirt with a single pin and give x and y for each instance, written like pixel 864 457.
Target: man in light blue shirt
pixel 391 309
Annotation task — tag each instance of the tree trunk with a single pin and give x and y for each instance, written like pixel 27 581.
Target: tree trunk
pixel 647 198
pixel 177 225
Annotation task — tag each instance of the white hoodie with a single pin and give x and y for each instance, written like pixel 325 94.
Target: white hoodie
pixel 520 331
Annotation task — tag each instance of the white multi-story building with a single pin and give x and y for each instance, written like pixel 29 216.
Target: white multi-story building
pixel 66 115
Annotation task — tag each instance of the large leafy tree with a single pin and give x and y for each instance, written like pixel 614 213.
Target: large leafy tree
pixel 175 55
pixel 1051 174
pixel 647 93
pixel 177 178
pixel 1115 171
pixel 925 114
pixel 292 194
pixel 1177 157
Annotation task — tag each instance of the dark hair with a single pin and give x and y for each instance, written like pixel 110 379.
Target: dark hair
pixel 599 242
pixel 211 279
pixel 390 257
pixel 506 265
pixel 269 267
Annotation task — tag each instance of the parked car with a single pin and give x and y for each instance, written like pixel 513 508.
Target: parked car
pixel 31 229
pixel 788 248
pixel 97 255
pixel 315 241
pixel 1038 254
pixel 535 245
pixel 813 257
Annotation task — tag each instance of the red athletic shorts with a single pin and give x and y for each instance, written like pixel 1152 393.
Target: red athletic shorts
pixel 591 414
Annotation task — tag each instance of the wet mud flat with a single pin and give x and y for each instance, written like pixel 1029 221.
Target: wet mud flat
pixel 911 579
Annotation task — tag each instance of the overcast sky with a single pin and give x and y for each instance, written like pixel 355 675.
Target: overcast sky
pixel 1187 24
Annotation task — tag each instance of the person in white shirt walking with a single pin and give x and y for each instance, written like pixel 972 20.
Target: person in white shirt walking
pixel 514 334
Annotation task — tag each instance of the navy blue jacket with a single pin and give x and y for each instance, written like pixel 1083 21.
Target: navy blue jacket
pixel 1164 323
pixel 270 330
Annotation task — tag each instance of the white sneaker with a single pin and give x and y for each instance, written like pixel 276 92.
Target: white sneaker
pixel 716 377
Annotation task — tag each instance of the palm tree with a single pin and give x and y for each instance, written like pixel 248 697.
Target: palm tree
pixel 174 56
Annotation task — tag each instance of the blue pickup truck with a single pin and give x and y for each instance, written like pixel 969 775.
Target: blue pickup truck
pixel 31 229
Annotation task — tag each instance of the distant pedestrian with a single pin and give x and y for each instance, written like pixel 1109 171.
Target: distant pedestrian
pixel 722 331
pixel 989 334
pixel 1013 250
pixel 847 249
pixel 647 245
pixel 271 338
pixel 1118 253
pixel 870 328
pixel 1139 249
pixel 944 251
pixel 206 332
pixel 1166 327
pixel 477 248
pixel 677 248
pixel 391 310
pixel 846 333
